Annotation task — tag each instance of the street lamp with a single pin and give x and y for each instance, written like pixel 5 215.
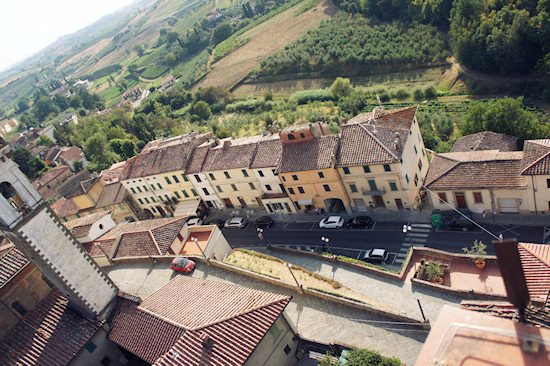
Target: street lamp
pixel 325 241
pixel 261 237
pixel 407 230
pixel 200 248
pixel 289 266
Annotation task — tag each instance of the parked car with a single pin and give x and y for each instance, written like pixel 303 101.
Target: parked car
pixel 180 264
pixel 457 222
pixel 264 222
pixel 217 222
pixel 331 222
pixel 360 221
pixel 376 255
pixel 235 223
pixel 194 221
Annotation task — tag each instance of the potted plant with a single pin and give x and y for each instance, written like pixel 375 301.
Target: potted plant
pixel 479 251
pixel 434 272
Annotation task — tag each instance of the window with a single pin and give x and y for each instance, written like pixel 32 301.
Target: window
pixel 140 201
pixel 366 168
pixel 175 179
pixel 154 210
pixel 251 185
pixel 167 180
pixel 211 176
pixel 106 361
pixel 387 168
pixel 372 185
pixel 185 193
pixel 153 199
pixel 401 160
pixel 90 347
pixel 407 178
pixel 287 349
pixel 133 190
pixel 177 194
pixel 282 188
pixel 346 170
pixel 302 135
pixel 283 178
pixel 326 187
pixel 245 173
pixel 139 189
pixel 197 178
pixel 477 197
pixel 273 171
pixel 547 183
pixel 416 180
pixel 294 177
pixel 424 152
pixel 442 196
pixel 393 186
pixel 353 188
pixel 219 188
pixel 153 187
pixel 160 198
pixel 267 187
pixel 274 331
pixel 146 200
pixel 206 191
pixel 167 198
pixel 145 189
pixel 184 178
pixel 260 173
pixel 301 190
pixel 234 187
pixel 158 184
pixel 194 192
pixel 291 190
pixel 291 136
pixel 321 174
pixel 419 164
pixel 19 308
pixel 415 150
pixel 419 138
pixel 227 175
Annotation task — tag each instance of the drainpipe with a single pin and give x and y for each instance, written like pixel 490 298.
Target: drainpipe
pixel 534 190
pixel 492 203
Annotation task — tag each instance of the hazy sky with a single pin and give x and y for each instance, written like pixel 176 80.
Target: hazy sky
pixel 27 26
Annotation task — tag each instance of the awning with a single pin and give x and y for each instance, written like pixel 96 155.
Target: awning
pixel 305 201
pixel 187 207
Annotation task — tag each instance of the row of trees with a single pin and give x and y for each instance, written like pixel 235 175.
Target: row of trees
pixel 352 41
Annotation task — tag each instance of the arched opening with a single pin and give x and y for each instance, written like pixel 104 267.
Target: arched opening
pixel 291 136
pixel 148 214
pixel 10 194
pixel 334 205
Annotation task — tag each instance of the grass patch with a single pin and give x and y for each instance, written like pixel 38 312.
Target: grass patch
pixel 154 71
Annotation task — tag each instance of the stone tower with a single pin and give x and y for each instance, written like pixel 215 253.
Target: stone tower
pixel 29 223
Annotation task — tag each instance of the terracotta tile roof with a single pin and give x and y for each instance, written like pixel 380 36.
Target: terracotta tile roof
pixel 64 207
pixel 37 150
pixel 233 154
pixel 49 176
pixel 309 155
pixel 148 237
pixel 52 334
pixel 486 140
pixel 268 154
pixel 160 156
pixel 295 128
pixel 52 153
pixel 80 227
pixel 11 262
pixel 489 169
pixel 113 173
pixel 399 117
pixel 535 260
pixel 188 310
pixel 534 315
pixel 197 159
pixel 111 195
pixel 83 187
pixel 71 153
pixel 536 157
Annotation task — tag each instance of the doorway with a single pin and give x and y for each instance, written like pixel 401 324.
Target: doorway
pixel 399 203
pixel 378 201
pixel 460 200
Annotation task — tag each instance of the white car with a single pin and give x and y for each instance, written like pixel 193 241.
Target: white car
pixel 331 222
pixel 236 222
pixel 376 255
pixel 194 221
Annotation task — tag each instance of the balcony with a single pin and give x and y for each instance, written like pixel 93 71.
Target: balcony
pixel 379 192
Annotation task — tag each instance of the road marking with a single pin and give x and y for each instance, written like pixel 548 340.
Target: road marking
pixel 428 226
pixel 418 235
pixel 404 249
pixel 420 230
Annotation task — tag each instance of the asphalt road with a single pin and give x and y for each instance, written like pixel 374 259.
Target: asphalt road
pixel 387 235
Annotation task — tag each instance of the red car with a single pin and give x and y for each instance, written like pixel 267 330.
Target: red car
pixel 181 264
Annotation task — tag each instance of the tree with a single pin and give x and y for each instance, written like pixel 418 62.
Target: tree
pixel 43 107
pixel 22 106
pixel 75 102
pixel 78 166
pixel 202 109
pixel 223 132
pixel 171 37
pixel 44 140
pixel 139 49
pixel 221 32
pixel 340 88
pixel 170 60
pixel 60 101
pixel 30 165
pixel 97 152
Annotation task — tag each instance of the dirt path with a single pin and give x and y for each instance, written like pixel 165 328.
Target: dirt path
pixel 265 39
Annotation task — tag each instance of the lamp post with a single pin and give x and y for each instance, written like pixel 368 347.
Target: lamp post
pixel 325 241
pixel 200 248
pixel 106 256
pixel 406 230
pixel 262 237
pixel 289 266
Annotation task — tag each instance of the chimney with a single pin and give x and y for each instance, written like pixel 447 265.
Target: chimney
pixel 378 111
pixel 397 141
pixel 333 158
pixel 226 143
pixel 206 340
pixel 343 121
pixel 273 128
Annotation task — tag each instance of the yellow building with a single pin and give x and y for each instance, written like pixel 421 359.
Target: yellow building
pixel 535 167
pixel 307 168
pixel 227 167
pixel 156 177
pixel 382 160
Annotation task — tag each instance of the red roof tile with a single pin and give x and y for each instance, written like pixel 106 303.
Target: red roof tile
pixel 309 155
pixel 268 154
pixel 536 157
pixel 233 317
pixel 83 187
pixel 11 262
pixel 71 153
pixel 535 260
pixel 81 227
pixel 64 207
pixel 52 334
pixel 49 176
pixel 485 140
pixel 231 154
pixel 197 159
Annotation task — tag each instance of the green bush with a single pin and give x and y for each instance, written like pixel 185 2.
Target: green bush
pixel 305 96
pixel 154 71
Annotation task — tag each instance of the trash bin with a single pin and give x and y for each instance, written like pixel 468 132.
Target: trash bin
pixel 437 220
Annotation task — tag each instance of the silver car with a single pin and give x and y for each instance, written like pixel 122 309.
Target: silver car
pixel 236 223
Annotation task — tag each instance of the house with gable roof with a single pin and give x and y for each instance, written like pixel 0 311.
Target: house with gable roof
pixel 200 322
pixel 485 140
pixel 91 227
pixel 48 182
pixel 535 168
pixel 382 159
pixel 307 168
